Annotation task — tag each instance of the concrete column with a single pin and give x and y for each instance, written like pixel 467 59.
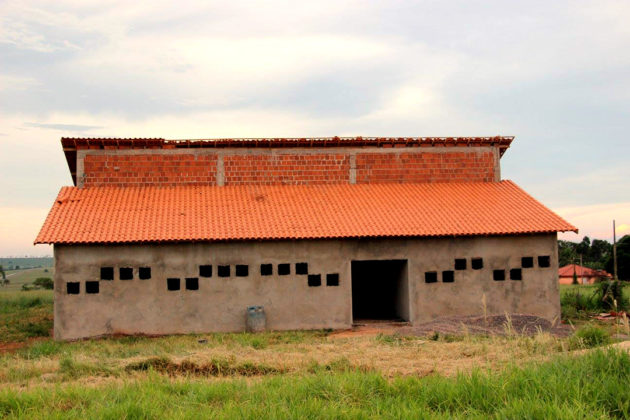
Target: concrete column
pixel 352 177
pixel 497 164
pixel 220 171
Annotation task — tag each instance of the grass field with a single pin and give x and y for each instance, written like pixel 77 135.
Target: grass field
pixel 594 385
pixel 25 315
pixel 312 374
pixel 19 277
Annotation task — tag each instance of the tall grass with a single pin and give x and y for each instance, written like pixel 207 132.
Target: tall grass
pixel 25 315
pixel 594 385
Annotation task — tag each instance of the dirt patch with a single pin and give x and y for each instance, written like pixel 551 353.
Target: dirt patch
pixel 501 325
pixel 9 347
pixel 12 346
pixel 369 329
pixel 212 368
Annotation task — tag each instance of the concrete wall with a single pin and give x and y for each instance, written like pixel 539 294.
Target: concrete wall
pixel 145 306
pixel 287 166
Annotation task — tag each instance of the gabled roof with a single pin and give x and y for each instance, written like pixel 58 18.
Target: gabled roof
pixel 209 213
pixel 568 270
pixel 72 144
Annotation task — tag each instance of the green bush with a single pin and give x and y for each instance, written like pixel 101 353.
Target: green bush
pixel 589 335
pixel 574 302
pixel 44 282
pixel 609 295
pixel 38 329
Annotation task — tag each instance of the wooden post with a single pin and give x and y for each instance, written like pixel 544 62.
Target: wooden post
pixel 615 251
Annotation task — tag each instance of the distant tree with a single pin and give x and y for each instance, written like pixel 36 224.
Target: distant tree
pixel 623 259
pixel 44 282
pixel 594 253
pixel 599 251
pixel 566 252
pixel 5 281
pixel 583 247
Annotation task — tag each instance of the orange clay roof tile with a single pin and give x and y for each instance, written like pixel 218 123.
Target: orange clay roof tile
pixel 568 270
pixel 210 213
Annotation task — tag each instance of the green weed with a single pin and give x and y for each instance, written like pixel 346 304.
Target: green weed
pixel 216 367
pixel 72 369
pixel 593 385
pixel 587 336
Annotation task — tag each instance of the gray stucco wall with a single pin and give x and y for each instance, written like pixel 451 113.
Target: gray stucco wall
pixel 146 306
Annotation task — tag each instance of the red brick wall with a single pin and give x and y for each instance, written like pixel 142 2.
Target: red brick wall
pixel 271 169
pixel 425 167
pixel 299 169
pixel 126 170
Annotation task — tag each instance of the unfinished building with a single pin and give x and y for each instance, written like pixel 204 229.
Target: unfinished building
pixel 162 236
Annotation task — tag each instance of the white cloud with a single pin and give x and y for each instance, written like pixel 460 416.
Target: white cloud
pixel 8 82
pixel 553 74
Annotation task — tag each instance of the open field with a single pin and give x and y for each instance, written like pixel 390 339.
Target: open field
pixel 310 374
pixel 26 262
pixel 19 277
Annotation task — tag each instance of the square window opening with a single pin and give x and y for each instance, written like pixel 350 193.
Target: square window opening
pixel 430 277
pixel 314 280
pixel 242 270
pixel 73 287
pixel 476 263
pixel 266 269
pixel 284 269
pixel 107 273
pixel 205 271
pixel 448 276
pixel 527 262
pixel 192 283
pixel 172 284
pixel 460 263
pixel 498 275
pixel 516 274
pixel 144 273
pixel 544 261
pixel 332 279
pixel 91 287
pixel 223 271
pixel 126 273
pixel 301 268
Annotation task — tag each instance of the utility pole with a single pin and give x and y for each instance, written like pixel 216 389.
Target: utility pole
pixel 615 251
pixel 581 271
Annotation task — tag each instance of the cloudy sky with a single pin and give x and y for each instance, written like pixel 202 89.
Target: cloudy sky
pixel 554 74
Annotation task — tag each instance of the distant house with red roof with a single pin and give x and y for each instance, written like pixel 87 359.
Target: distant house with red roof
pixel 179 236
pixel 584 275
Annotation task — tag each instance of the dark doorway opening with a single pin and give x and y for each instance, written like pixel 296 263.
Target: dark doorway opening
pixel 380 290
